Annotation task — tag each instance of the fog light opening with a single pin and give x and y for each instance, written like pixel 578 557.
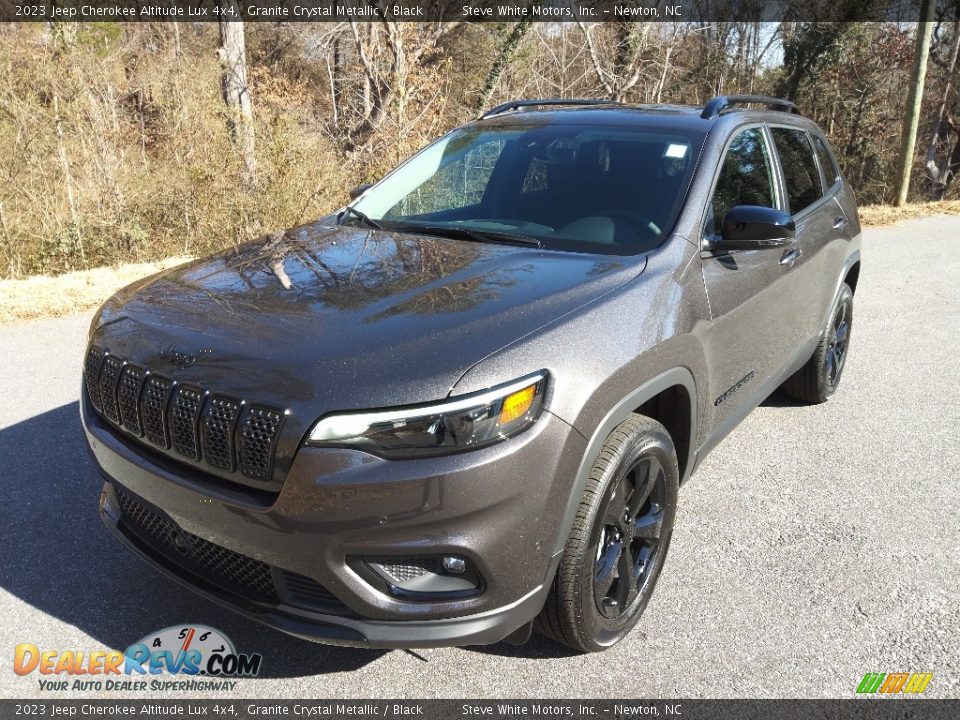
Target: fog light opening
pixel 454 565
pixel 428 577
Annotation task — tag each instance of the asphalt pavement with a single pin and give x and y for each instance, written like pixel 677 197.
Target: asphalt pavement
pixel 815 544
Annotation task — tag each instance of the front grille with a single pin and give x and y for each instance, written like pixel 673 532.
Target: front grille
pixel 184 414
pixel 128 398
pixel 219 423
pixel 153 406
pixel 109 375
pixel 227 434
pixel 91 375
pixel 258 432
pixel 226 568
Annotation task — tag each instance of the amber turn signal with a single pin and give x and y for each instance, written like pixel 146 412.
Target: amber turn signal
pixel 517 404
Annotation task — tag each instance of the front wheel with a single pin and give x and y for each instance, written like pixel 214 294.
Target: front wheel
pixel 619 539
pixel 818 379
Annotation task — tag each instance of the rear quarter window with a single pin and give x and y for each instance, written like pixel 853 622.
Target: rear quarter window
pixel 830 171
pixel 799 168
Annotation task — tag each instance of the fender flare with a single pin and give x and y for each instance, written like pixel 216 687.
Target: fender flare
pixel 852 259
pixel 616 415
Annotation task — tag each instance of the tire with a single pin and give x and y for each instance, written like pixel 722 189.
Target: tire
pixel 582 610
pixel 819 378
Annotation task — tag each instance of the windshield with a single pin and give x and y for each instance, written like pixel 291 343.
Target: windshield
pixel 577 187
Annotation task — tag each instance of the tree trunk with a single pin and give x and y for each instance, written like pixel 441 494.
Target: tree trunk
pixel 68 179
pixel 177 49
pixel 232 55
pixel 911 117
pixel 504 56
pixel 938 173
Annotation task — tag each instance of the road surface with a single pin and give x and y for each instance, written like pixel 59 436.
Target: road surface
pixel 814 545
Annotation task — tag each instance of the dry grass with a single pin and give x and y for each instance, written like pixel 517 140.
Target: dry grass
pixel 872 215
pixel 45 296
pixel 115 151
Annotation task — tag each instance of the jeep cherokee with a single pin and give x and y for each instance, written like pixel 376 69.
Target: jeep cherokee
pixel 462 406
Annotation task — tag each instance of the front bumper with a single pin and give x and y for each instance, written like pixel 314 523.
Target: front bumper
pixel 499 507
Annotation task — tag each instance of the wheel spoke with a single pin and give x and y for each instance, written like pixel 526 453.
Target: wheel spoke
pixel 613 515
pixel 837 363
pixel 626 588
pixel 645 477
pixel 841 334
pixel 605 568
pixel 649 525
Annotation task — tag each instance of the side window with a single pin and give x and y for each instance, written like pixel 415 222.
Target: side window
pixel 745 178
pixel 799 168
pixel 830 171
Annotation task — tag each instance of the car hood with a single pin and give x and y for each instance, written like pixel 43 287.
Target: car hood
pixel 323 318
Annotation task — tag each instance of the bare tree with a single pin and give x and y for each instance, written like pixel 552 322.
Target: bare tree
pixel 390 53
pixel 942 173
pixel 505 53
pixel 620 76
pixel 234 87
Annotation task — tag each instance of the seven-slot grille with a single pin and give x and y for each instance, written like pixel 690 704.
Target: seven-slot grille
pixel 226 434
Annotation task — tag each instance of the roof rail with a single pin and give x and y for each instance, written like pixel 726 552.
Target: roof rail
pixel 720 103
pixel 518 104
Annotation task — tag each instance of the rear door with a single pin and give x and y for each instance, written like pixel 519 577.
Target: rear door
pixel 750 338
pixel 822 227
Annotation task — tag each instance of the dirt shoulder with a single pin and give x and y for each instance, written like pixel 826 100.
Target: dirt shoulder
pixel 45 296
pixel 873 215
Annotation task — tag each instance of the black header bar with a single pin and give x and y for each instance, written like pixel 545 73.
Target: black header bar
pixel 461 10
pixel 542 709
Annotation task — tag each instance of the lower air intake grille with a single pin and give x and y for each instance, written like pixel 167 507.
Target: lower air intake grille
pixel 304 592
pixel 213 562
pixel 237 572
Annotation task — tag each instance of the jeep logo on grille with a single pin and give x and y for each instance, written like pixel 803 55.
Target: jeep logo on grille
pixel 180 358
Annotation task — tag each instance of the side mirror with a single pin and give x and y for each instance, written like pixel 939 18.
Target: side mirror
pixel 750 227
pixel 359 190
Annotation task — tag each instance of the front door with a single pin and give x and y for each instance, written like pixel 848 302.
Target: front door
pixel 749 339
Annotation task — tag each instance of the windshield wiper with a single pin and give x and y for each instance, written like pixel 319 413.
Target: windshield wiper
pixel 362 217
pixel 465 233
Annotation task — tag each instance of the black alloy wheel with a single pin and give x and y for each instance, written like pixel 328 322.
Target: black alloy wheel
pixel 627 539
pixel 839 339
pixel 618 541
pixel 820 376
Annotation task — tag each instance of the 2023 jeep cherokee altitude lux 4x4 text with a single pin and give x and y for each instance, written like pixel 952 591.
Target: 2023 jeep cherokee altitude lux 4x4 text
pixel 463 406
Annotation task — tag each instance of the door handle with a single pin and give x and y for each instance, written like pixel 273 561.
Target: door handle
pixel 839 223
pixel 790 256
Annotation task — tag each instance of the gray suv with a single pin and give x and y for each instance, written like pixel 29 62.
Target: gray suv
pixel 462 407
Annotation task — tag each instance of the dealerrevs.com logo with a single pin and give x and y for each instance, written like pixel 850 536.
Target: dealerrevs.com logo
pixel 182 650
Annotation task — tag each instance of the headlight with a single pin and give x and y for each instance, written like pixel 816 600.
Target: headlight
pixel 462 423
